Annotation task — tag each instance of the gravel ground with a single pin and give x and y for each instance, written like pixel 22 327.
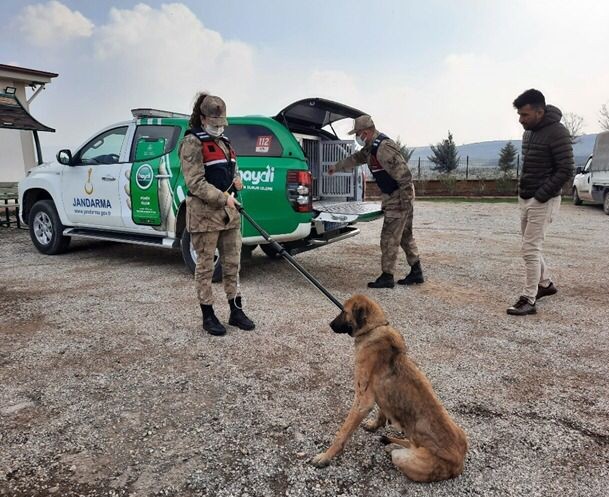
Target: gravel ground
pixel 110 388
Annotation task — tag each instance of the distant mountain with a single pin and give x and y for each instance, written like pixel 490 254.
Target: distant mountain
pixel 489 151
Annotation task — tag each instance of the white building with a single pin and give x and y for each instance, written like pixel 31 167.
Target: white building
pixel 19 144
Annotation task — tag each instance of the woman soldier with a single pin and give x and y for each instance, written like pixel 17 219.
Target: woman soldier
pixel 210 170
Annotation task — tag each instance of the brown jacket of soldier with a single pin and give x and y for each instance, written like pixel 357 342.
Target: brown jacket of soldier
pixel 390 157
pixel 206 209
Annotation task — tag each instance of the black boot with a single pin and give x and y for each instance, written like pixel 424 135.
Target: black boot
pixel 237 316
pixel 385 280
pixel 210 321
pixel 415 276
pixel 522 307
pixel 544 291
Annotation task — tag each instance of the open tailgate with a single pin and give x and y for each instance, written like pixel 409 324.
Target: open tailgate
pixel 347 212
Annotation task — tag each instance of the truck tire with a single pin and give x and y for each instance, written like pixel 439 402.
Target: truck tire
pixel 576 199
pixel 270 252
pixel 606 202
pixel 273 254
pixel 189 255
pixel 46 230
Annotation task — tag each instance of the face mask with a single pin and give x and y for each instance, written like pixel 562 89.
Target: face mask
pixel 214 130
pixel 360 141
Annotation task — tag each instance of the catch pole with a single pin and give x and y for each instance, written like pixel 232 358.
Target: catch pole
pixel 284 253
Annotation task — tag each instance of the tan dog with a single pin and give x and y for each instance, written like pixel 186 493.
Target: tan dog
pixel 434 447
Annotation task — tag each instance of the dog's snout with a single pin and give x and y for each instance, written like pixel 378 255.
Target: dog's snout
pixel 340 324
pixel 335 322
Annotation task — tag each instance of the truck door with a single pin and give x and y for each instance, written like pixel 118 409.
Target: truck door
pixel 89 187
pixel 151 180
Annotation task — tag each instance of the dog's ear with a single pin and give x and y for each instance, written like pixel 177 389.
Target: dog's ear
pixel 360 314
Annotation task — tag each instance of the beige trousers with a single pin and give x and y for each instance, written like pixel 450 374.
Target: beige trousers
pixel 395 233
pixel 229 245
pixel 535 218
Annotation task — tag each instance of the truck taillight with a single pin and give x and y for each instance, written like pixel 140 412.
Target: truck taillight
pixel 298 186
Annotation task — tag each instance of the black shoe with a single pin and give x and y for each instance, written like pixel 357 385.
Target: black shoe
pixel 545 291
pixel 385 280
pixel 415 276
pixel 522 307
pixel 210 321
pixel 237 316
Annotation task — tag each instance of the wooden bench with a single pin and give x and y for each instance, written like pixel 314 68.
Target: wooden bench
pixel 9 201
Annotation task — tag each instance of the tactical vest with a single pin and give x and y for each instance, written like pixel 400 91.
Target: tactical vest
pixel 219 170
pixel 385 182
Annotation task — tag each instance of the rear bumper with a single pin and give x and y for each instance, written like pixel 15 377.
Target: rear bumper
pixel 319 240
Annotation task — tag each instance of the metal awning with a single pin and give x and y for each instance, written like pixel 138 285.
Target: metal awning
pixel 14 116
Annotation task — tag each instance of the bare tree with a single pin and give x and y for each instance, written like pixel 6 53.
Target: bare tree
pixel 604 120
pixel 574 124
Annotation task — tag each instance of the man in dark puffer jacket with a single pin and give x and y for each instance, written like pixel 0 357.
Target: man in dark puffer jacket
pixel 547 165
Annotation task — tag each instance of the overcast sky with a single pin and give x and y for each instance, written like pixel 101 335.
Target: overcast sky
pixel 419 68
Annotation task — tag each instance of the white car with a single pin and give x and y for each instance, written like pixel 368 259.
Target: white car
pixel 591 183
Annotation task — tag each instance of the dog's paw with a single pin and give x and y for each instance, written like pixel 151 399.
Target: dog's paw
pixel 320 460
pixel 370 425
pixel 391 447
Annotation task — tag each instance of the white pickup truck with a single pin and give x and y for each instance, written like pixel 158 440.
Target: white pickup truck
pixel 125 184
pixel 591 183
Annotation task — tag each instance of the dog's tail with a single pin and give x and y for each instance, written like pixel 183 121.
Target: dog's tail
pixel 404 442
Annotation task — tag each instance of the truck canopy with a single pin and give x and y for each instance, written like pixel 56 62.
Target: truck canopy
pixel 313 114
pixel 600 161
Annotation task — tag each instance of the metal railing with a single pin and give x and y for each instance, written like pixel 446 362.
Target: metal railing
pixel 467 168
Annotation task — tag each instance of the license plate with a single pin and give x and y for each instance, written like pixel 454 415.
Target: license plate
pixel 329 226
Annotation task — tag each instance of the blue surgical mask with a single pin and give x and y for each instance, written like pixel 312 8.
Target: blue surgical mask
pixel 360 141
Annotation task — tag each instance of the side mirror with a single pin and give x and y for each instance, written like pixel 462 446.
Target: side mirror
pixel 64 157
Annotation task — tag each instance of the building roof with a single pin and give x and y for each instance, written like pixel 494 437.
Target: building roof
pixel 26 75
pixel 14 116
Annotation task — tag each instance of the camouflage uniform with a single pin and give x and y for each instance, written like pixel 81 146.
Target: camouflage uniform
pixel 211 223
pixel 397 206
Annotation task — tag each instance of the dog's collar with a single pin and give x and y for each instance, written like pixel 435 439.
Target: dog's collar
pixel 386 323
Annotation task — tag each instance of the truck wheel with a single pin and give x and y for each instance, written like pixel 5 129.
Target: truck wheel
pixel 189 255
pixel 606 203
pixel 270 252
pixel 46 229
pixel 246 251
pixel 576 199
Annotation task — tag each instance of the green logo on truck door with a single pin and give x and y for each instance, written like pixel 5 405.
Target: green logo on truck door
pixel 144 176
